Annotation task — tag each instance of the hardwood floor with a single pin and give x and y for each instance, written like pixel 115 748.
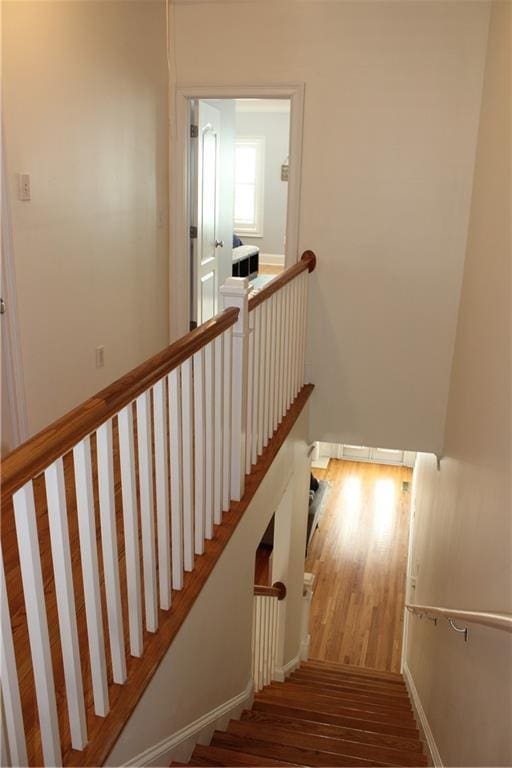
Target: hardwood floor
pixel 359 556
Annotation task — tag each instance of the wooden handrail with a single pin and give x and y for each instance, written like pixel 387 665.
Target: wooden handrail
pixel 33 456
pixel 306 262
pixel 501 621
pixel 277 589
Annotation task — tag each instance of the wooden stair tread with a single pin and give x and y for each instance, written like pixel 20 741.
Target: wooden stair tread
pixel 329 729
pixel 281 735
pixel 288 753
pixel 320 702
pixel 321 716
pixel 325 716
pixel 218 755
pixel 360 683
pixel 350 669
pixel 380 700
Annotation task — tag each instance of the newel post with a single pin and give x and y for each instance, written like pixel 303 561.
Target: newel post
pixel 235 293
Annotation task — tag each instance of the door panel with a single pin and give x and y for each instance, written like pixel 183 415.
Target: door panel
pixel 207 210
pixel 208 295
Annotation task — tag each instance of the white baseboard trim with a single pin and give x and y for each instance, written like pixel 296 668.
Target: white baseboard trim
pixel 180 745
pixel 272 259
pixel 423 723
pixel 280 673
pixel 304 648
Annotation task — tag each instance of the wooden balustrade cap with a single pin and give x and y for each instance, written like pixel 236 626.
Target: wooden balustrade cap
pixel 278 589
pixel 33 456
pixel 306 262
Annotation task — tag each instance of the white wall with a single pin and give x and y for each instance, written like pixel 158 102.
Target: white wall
pixel 209 661
pixel 275 128
pixel 463 524
pixel 392 98
pixel 85 114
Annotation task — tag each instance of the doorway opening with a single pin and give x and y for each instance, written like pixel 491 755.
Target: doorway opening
pixel 238 195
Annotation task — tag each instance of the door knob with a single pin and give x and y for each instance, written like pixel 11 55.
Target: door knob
pixel 219 243
pixel 2 307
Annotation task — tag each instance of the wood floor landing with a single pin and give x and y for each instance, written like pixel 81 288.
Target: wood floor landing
pixel 359 556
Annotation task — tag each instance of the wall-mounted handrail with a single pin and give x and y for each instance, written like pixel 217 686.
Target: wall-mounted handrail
pixel 277 589
pixel 306 262
pixel 33 456
pixel 501 621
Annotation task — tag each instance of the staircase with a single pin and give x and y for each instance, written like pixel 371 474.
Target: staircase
pixel 324 714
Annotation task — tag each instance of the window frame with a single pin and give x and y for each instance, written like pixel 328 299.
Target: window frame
pixel 259 186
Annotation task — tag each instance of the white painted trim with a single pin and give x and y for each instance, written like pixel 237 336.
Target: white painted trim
pixel 258 107
pixel 336 451
pixel 179 177
pixel 304 648
pixel 281 673
pixel 409 566
pixel 12 361
pixel 272 259
pixel 422 719
pixel 198 731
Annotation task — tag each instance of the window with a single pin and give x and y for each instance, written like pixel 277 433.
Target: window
pixel 249 156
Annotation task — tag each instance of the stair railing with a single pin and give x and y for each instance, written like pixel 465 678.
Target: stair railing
pixel 501 621
pixel 105 510
pixel 265 632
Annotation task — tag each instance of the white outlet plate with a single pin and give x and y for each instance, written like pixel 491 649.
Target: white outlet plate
pixel 100 357
pixel 24 187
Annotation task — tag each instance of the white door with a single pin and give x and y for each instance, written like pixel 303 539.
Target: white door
pixel 212 200
pixel 207 242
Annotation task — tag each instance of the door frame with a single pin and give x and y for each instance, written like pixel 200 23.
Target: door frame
pixel 12 363
pixel 179 266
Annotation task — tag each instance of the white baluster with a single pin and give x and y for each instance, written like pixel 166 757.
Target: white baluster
pixel 277 382
pixel 199 452
pixel 262 643
pixel 109 550
pixel 187 420
pixel 209 444
pixel 268 357
pixel 176 444
pixel 272 367
pixel 146 509
pixel 257 645
pixel 253 640
pixel 282 397
pixel 162 494
pixel 262 375
pixel 131 528
pixel 250 394
pixel 235 294
pixel 256 384
pixel 267 638
pixel 300 328
pixel 289 339
pixel 304 328
pixel 89 559
pixel 295 327
pixel 275 610
pixel 64 592
pixel 226 442
pixel 217 429
pixel 33 593
pixel 12 715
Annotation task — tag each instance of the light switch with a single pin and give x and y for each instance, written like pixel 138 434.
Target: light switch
pixel 24 187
